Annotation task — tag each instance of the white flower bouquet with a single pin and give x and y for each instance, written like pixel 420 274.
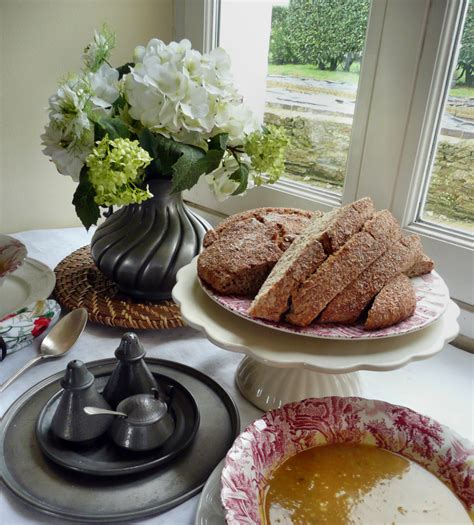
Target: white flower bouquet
pixel 173 113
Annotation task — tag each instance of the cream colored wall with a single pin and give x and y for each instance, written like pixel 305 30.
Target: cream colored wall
pixel 41 40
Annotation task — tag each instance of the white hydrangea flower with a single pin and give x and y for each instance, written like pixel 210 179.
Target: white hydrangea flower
pixel 235 119
pixel 180 93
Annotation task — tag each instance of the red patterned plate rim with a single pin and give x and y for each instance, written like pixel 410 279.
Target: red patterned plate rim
pixel 281 433
pixel 12 255
pixel 432 298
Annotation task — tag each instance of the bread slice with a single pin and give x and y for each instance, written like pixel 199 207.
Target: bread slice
pixel 352 301
pixel 343 267
pixel 290 221
pixel 233 265
pixel 395 302
pixel 423 265
pixel 323 236
pixel 296 264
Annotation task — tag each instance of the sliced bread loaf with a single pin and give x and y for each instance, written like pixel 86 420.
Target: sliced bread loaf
pixel 323 236
pixel 351 302
pixel 341 268
pixel 394 303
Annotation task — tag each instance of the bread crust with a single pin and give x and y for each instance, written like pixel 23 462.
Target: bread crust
pixel 351 302
pixel 290 221
pixel 343 267
pixel 394 303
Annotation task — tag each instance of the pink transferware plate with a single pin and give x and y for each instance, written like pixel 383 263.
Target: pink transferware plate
pixel 12 255
pixel 432 298
pixel 281 433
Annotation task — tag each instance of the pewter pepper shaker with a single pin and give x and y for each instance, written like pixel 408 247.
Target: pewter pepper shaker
pixel 69 421
pixel 131 376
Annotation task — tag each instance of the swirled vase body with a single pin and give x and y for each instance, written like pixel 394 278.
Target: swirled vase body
pixel 141 246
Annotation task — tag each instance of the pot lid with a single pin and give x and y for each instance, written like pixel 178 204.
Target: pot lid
pixel 143 409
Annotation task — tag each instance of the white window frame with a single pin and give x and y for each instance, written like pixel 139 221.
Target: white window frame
pixel 406 66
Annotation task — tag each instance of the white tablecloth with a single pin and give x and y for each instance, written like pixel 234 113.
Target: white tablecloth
pixel 441 387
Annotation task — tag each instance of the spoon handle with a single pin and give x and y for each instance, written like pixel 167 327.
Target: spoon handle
pixel 17 374
pixel 95 411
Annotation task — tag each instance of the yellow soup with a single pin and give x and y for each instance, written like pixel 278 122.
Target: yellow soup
pixel 356 484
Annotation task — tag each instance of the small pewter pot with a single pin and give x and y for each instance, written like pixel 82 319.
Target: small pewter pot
pixel 148 424
pixel 131 375
pixel 69 421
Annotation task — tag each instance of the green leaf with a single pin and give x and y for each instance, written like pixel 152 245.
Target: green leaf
pixel 83 200
pixel 188 169
pixel 114 128
pixel 219 141
pixel 123 70
pixel 148 141
pixel 241 175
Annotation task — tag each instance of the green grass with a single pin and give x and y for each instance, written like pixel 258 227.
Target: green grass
pixel 351 77
pixel 462 91
pixel 309 71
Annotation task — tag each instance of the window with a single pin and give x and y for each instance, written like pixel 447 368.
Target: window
pixel 407 66
pixel 448 194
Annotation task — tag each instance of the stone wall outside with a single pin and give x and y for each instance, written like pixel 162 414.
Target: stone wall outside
pixel 318 155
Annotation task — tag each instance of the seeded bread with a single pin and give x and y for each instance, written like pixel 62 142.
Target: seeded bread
pixel 351 302
pixel 323 236
pixel 394 303
pixel 423 265
pixel 343 267
pixel 290 222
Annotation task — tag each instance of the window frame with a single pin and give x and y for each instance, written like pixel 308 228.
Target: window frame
pixel 411 96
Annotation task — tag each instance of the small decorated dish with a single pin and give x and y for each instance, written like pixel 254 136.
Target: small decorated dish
pixel 12 254
pixel 348 456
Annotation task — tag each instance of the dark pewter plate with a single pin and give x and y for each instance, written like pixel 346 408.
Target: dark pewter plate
pixel 103 457
pixel 52 489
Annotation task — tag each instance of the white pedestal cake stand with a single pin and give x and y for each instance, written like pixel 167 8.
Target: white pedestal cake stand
pixel 282 367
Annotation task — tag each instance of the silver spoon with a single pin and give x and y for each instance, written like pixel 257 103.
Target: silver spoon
pixel 59 341
pixel 95 411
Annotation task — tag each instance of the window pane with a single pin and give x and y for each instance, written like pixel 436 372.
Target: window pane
pixel 450 196
pixel 313 51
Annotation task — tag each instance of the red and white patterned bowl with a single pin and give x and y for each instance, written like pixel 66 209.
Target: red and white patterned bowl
pixel 12 255
pixel 281 433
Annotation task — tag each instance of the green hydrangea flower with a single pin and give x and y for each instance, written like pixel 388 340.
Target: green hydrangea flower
pixel 266 150
pixel 116 168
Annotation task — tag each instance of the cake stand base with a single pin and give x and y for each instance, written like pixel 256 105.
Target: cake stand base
pixel 269 387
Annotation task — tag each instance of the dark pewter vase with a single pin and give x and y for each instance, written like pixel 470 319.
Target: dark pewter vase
pixel 142 246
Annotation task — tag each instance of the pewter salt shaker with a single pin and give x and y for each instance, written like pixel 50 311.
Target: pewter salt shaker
pixel 69 421
pixel 131 376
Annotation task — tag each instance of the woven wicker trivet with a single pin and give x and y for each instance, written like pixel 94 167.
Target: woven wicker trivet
pixel 80 284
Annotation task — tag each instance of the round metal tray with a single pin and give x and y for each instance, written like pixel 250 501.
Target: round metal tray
pixel 52 489
pixel 103 457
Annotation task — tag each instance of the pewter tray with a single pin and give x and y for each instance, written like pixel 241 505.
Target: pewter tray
pixel 103 457
pixel 52 489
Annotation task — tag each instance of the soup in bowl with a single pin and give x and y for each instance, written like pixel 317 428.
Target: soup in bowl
pixel 348 460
